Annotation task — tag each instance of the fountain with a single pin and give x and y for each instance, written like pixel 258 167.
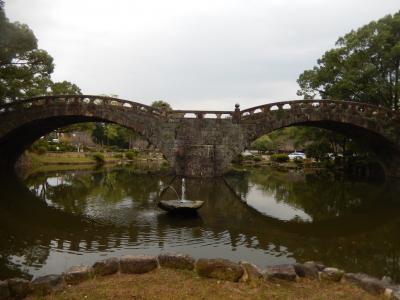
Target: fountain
pixel 183 191
pixel 180 205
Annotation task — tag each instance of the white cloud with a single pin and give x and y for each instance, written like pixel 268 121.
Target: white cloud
pixel 194 54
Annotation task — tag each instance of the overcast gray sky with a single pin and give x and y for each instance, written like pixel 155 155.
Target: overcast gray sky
pixel 205 54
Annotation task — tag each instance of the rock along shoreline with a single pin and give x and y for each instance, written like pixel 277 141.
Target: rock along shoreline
pixel 218 268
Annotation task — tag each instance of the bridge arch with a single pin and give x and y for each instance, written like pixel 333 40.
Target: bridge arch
pixel 377 129
pixel 24 122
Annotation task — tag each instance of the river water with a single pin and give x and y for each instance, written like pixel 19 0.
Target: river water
pixel 56 219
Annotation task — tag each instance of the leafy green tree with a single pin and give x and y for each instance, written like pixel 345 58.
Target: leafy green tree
pixel 364 66
pixel 262 144
pixel 68 88
pixel 160 104
pixel 64 88
pixel 88 127
pixel 113 135
pixel 25 70
pixel 317 142
pixel 277 139
pixel 99 133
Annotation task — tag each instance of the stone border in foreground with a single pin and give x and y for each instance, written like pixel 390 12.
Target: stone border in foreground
pixel 222 269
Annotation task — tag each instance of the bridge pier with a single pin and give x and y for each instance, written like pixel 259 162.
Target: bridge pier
pixel 202 161
pixel 205 147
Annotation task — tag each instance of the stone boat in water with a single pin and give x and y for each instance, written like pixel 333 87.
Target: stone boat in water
pixel 180 206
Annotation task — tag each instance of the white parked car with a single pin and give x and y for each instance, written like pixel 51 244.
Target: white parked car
pixel 332 156
pixel 247 153
pixel 297 155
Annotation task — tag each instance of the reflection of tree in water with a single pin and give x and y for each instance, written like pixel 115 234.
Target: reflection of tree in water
pixel 69 193
pixel 355 225
pixel 319 198
pixel 141 188
pixel 76 190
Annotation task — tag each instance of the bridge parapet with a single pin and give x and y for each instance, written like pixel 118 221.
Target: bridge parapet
pixel 304 106
pixel 200 114
pixel 301 106
pixel 113 102
pixel 82 100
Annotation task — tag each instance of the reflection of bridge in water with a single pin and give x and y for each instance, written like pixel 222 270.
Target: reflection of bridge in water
pixel 200 143
pixel 34 227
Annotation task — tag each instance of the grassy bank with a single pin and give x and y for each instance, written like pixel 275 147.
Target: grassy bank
pixel 31 163
pixel 174 284
pixel 34 159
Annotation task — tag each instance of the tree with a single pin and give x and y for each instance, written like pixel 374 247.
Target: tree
pixel 318 143
pixel 364 66
pixel 64 88
pixel 263 143
pixel 160 104
pixel 279 139
pixel 25 70
pixel 113 135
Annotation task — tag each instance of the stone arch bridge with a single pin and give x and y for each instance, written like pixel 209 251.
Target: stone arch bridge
pixel 200 143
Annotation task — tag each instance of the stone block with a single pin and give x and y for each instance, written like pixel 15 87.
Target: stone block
pixel 368 283
pixel 77 274
pixel 283 272
pixel 251 272
pixel 309 269
pixel 176 261
pixel 220 269
pixel 137 264
pixel 107 266
pixel 46 284
pixel 331 274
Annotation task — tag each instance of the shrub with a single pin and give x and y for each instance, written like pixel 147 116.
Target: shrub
pixel 131 154
pixel 60 147
pixel 118 155
pixel 40 146
pixel 41 150
pixel 99 158
pixel 298 161
pixel 257 158
pixel 280 157
pixel 248 157
pixel 52 148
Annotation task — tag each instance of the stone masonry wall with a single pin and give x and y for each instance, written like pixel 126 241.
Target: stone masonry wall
pixel 200 146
